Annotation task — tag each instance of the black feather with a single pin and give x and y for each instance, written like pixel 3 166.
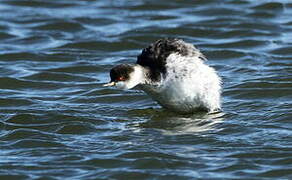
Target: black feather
pixel 122 70
pixel 154 56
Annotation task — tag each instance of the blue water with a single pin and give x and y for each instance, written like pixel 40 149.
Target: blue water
pixel 57 121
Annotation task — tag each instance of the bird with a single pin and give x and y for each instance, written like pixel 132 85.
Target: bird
pixel 173 73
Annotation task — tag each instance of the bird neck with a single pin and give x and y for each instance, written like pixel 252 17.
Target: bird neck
pixel 139 74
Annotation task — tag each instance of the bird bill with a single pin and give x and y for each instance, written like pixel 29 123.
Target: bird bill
pixel 109 84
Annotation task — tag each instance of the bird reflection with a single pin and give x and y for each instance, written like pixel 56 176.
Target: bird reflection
pixel 170 123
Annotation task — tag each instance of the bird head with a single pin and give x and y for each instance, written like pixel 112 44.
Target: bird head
pixel 125 76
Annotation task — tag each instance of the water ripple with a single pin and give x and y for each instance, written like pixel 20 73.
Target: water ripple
pixel 58 121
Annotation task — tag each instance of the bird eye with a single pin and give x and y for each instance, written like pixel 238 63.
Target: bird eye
pixel 121 79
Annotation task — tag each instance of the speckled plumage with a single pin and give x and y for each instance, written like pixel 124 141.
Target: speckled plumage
pixel 175 75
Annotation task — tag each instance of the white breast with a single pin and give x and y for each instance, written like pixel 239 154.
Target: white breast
pixel 189 84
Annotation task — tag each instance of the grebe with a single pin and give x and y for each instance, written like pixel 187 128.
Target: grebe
pixel 174 74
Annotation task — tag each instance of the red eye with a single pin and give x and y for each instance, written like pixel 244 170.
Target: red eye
pixel 121 78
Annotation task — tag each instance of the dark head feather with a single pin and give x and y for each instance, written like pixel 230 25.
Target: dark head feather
pixel 121 71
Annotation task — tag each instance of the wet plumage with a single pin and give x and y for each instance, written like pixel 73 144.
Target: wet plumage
pixel 174 74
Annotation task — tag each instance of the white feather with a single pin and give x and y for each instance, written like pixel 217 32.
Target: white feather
pixel 188 85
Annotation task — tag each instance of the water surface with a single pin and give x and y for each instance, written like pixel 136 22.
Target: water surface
pixel 57 121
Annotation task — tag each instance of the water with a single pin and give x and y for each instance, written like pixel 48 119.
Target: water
pixel 57 121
